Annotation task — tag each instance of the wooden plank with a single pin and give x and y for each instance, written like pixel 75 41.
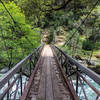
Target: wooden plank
pixel 57 94
pixel 49 89
pixel 34 97
pixel 41 93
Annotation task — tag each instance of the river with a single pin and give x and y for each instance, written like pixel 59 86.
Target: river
pixel 89 92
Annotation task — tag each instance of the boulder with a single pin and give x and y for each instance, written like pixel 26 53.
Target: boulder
pixel 90 62
pixel 4 70
pixel 97 56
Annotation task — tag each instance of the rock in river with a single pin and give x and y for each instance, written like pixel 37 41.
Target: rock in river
pixel 4 70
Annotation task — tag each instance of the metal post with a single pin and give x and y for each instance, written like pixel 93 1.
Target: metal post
pixel 97 97
pixel 77 81
pixel 9 66
pixel 21 84
pixel 66 65
pixel 8 91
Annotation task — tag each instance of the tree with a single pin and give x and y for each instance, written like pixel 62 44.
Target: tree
pixel 17 39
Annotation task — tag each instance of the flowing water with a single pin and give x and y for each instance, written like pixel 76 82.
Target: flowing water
pixel 91 95
pixel 89 92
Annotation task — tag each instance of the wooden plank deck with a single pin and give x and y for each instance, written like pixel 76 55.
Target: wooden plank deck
pixel 48 83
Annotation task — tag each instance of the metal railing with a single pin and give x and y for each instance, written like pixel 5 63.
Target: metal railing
pixel 78 75
pixel 12 84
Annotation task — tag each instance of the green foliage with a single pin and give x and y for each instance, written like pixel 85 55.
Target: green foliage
pixel 88 45
pixel 19 39
pixel 40 12
pixel 51 36
pixel 16 40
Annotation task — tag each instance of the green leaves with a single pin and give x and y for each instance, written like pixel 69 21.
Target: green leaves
pixel 17 39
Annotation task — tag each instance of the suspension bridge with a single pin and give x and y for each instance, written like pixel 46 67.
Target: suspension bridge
pixel 49 76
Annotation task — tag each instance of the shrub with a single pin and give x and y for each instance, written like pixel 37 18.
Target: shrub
pixel 87 45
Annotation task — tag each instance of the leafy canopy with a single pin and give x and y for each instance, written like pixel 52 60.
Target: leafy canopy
pixel 16 39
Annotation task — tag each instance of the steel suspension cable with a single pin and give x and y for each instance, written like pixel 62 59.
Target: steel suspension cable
pixel 67 42
pixel 7 11
pixel 15 23
pixel 10 59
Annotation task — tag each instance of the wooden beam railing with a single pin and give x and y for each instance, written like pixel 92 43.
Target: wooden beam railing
pixel 14 77
pixel 76 71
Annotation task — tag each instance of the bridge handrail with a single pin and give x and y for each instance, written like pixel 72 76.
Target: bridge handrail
pixel 83 68
pixel 16 68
